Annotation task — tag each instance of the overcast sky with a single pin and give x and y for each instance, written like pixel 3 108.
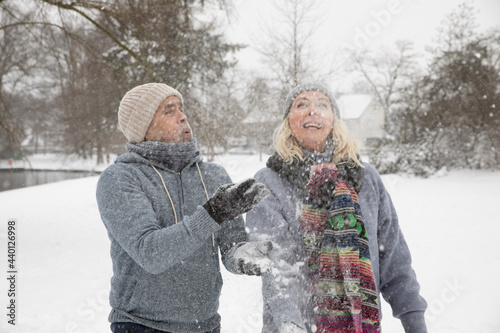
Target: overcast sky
pixel 348 24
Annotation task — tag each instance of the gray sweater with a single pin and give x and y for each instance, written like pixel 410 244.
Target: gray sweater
pixel 287 290
pixel 165 275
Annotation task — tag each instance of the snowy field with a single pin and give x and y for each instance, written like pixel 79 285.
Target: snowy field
pixel 451 222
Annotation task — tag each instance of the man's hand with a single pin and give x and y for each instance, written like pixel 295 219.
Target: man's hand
pixel 252 258
pixel 291 328
pixel 231 200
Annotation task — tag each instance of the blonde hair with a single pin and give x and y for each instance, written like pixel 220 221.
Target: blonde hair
pixel 288 148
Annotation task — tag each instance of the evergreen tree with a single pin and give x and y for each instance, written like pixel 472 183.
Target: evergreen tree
pixel 96 51
pixel 449 117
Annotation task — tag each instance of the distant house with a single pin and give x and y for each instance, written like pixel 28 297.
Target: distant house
pixel 364 117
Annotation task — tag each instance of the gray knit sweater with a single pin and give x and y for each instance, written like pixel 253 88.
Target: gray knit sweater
pixel 287 290
pixel 165 275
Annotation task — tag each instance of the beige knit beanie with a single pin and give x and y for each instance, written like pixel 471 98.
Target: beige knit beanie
pixel 138 107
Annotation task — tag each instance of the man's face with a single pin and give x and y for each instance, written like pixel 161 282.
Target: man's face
pixel 169 123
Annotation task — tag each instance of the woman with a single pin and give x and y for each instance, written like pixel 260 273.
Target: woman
pixel 336 237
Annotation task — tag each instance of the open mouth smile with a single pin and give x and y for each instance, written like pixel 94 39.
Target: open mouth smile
pixel 313 126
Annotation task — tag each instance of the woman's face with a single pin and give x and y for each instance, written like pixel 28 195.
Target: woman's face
pixel 311 120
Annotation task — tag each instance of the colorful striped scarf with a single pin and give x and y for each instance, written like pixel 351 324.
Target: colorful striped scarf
pixel 338 255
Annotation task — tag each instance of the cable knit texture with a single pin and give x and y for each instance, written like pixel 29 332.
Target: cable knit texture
pixel 166 275
pixel 175 156
pixel 138 107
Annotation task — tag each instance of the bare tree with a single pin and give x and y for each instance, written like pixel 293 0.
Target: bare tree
pixel 386 72
pixel 458 29
pixel 288 48
pixel 264 114
pixel 19 60
pixel 216 112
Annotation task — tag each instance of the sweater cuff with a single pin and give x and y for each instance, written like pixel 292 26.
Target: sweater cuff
pixel 414 322
pixel 202 225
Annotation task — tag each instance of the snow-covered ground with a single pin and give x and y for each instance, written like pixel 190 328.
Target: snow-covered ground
pixel 451 222
pixel 55 162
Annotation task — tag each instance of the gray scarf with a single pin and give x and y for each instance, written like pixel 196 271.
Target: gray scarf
pixel 319 158
pixel 175 156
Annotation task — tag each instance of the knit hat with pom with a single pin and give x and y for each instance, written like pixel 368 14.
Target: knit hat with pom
pixel 311 86
pixel 138 107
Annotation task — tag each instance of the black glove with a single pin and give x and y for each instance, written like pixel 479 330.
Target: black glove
pixel 231 200
pixel 252 257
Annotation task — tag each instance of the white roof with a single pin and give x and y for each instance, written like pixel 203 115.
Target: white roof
pixel 353 106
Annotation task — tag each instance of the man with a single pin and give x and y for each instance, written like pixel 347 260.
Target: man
pixel 168 214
